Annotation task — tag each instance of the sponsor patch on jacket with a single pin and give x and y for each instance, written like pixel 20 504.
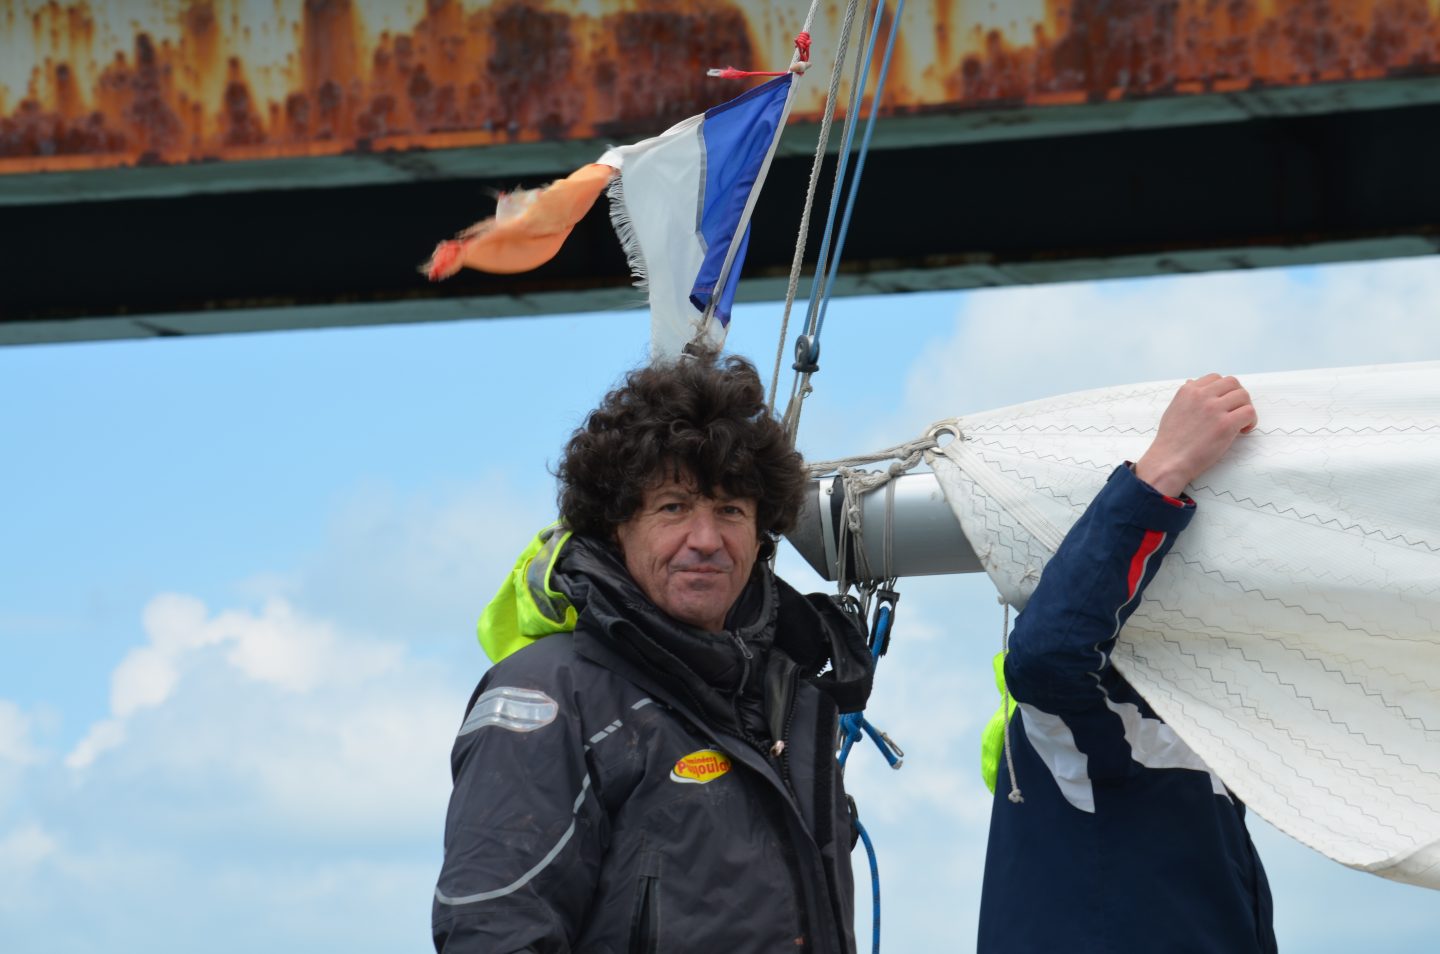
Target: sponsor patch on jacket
pixel 700 767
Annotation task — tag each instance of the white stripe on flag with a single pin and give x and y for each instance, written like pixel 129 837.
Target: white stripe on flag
pixel 658 178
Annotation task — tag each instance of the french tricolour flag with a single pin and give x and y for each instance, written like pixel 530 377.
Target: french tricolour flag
pixel 681 205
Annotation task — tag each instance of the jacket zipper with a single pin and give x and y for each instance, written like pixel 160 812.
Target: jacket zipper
pixel 644 936
pixel 784 753
pixel 746 656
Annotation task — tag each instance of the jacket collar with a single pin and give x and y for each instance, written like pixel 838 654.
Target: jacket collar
pixel 711 671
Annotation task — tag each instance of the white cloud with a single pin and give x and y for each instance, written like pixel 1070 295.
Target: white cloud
pixel 1018 344
pixel 144 678
pixel 101 737
pixel 22 849
pixel 277 647
pixel 15 743
pixel 282 764
pixel 418 566
pixel 19 753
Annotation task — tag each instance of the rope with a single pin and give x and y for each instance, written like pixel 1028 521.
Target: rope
pixel 807 363
pixel 842 49
pixel 799 64
pixel 856 483
pixel 852 724
pixel 874 887
pixel 860 158
pixel 1014 796
pixel 819 283
pixel 810 347
pixel 909 453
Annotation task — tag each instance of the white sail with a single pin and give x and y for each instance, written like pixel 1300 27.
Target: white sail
pixel 1292 637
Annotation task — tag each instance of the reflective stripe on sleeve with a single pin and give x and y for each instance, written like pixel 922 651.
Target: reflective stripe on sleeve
pixel 528 876
pixel 509 707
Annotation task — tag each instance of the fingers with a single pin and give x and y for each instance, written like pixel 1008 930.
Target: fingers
pixel 1236 400
pixel 1232 397
pixel 1246 418
pixel 1202 421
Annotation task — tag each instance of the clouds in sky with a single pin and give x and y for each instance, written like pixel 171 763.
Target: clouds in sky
pixel 15 746
pixel 276 648
pixel 419 566
pixel 265 756
pixel 243 750
pixel 1019 344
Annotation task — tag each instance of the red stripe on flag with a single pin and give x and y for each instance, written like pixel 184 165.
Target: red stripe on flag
pixel 1151 543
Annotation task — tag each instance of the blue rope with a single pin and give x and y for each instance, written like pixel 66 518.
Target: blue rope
pixel 852 117
pixel 874 886
pixel 852 724
pixel 860 156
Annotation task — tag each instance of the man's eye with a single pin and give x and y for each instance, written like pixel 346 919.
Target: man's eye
pixel 670 508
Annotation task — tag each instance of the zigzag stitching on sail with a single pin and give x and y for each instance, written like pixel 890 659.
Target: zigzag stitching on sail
pixel 1010 427
pixel 1340 828
pixel 1235 584
pixel 1283 640
pixel 1315 519
pixel 1032 454
pixel 1349 430
pixel 1295 692
pixel 1300 743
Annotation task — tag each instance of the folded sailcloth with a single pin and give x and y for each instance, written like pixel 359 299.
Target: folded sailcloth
pixel 1292 636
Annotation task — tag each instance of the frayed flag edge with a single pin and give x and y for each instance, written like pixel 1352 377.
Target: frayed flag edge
pixel 625 232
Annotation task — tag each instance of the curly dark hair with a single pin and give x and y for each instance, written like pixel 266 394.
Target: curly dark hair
pixel 699 416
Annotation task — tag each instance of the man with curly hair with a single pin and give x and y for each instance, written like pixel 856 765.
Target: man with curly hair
pixel 650 764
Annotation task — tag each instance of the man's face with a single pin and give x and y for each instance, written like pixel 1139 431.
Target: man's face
pixel 691 554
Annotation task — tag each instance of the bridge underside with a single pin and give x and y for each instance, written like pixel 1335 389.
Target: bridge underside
pixel 184 182
pixel 1262 192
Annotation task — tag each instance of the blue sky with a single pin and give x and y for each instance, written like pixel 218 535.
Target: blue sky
pixel 239 578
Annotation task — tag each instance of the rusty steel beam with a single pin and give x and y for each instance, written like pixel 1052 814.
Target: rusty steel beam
pixel 125 83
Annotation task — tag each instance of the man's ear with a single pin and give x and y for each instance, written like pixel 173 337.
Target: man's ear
pixel 766 543
pixel 615 537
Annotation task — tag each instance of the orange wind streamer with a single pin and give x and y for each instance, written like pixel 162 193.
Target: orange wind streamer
pixel 527 229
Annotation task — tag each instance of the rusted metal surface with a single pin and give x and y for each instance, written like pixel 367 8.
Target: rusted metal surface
pixel 108 83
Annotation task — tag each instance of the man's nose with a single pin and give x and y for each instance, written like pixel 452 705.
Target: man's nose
pixel 704 533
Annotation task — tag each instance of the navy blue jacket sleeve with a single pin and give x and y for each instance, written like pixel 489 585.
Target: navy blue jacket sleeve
pixel 1062 641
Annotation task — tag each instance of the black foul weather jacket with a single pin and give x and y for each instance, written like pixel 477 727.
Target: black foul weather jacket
pixel 624 788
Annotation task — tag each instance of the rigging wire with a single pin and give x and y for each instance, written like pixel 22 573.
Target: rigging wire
pixel 859 161
pixel 841 51
pixel 807 346
pixel 852 115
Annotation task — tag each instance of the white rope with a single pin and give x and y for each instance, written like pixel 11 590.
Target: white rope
pixel 847 137
pixel 800 387
pixel 842 49
pixel 856 483
pixel 1014 796
pixel 905 455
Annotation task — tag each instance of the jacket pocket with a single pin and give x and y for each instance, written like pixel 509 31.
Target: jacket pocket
pixel 645 921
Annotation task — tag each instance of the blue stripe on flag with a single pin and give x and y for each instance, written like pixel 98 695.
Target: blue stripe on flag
pixel 736 137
